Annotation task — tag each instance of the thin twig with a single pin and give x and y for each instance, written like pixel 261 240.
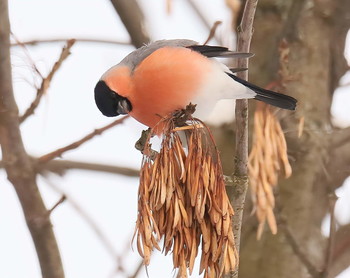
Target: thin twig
pixel 60 40
pixel 238 190
pixel 88 219
pixel 120 269
pixel 60 201
pixel 117 258
pixel 212 31
pixel 76 144
pixel 47 80
pixel 137 270
pixel 199 13
pixel 61 166
pixel 202 18
pixel 26 52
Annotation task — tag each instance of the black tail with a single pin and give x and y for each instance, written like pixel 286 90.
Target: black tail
pixel 270 97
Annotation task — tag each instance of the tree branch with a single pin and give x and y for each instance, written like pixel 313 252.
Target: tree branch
pixel 137 270
pixel 18 165
pixel 46 81
pixel 58 203
pixel 76 144
pixel 60 40
pixel 203 19
pixel 60 166
pixel 132 17
pixel 89 220
pixel 240 176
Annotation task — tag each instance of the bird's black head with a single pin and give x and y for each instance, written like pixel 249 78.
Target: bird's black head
pixel 109 102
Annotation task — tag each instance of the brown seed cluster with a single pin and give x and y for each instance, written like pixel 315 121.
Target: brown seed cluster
pixel 268 156
pixel 182 200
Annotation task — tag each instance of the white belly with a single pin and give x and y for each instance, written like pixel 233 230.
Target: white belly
pixel 218 86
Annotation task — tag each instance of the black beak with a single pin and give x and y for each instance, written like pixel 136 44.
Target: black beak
pixel 123 107
pixel 109 102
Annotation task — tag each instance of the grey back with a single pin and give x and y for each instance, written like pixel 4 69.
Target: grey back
pixel 137 56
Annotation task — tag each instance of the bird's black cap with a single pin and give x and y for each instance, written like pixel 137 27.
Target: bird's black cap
pixel 109 102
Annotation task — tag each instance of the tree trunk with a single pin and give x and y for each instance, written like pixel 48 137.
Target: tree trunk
pixel 18 165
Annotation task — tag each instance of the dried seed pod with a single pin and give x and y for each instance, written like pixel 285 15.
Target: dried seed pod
pixel 182 198
pixel 267 158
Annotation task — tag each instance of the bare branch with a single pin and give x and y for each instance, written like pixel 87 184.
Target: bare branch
pixel 119 269
pixel 204 20
pixel 240 176
pixel 46 81
pixel 213 31
pixel 241 156
pixel 18 164
pixel 26 52
pixel 86 217
pixel 74 145
pixel 60 201
pixel 137 270
pixel 60 166
pixel 199 13
pixel 60 40
pixel 243 45
pixel 132 17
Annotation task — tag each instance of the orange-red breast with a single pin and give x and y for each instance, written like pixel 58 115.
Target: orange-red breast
pixel 167 75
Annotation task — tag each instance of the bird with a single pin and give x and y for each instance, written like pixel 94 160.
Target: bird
pixel 164 76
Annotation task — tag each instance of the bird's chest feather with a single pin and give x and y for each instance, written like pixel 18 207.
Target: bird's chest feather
pixel 165 81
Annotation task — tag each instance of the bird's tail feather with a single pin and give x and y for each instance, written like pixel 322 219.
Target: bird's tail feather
pixel 270 97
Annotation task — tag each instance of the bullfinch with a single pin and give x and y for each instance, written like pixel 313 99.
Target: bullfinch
pixel 164 76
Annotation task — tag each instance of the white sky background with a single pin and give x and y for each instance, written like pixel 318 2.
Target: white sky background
pixel 68 113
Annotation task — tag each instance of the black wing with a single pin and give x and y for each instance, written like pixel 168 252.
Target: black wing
pixel 268 96
pixel 218 51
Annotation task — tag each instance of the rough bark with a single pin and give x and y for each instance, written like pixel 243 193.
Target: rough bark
pixel 309 31
pixel 18 164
